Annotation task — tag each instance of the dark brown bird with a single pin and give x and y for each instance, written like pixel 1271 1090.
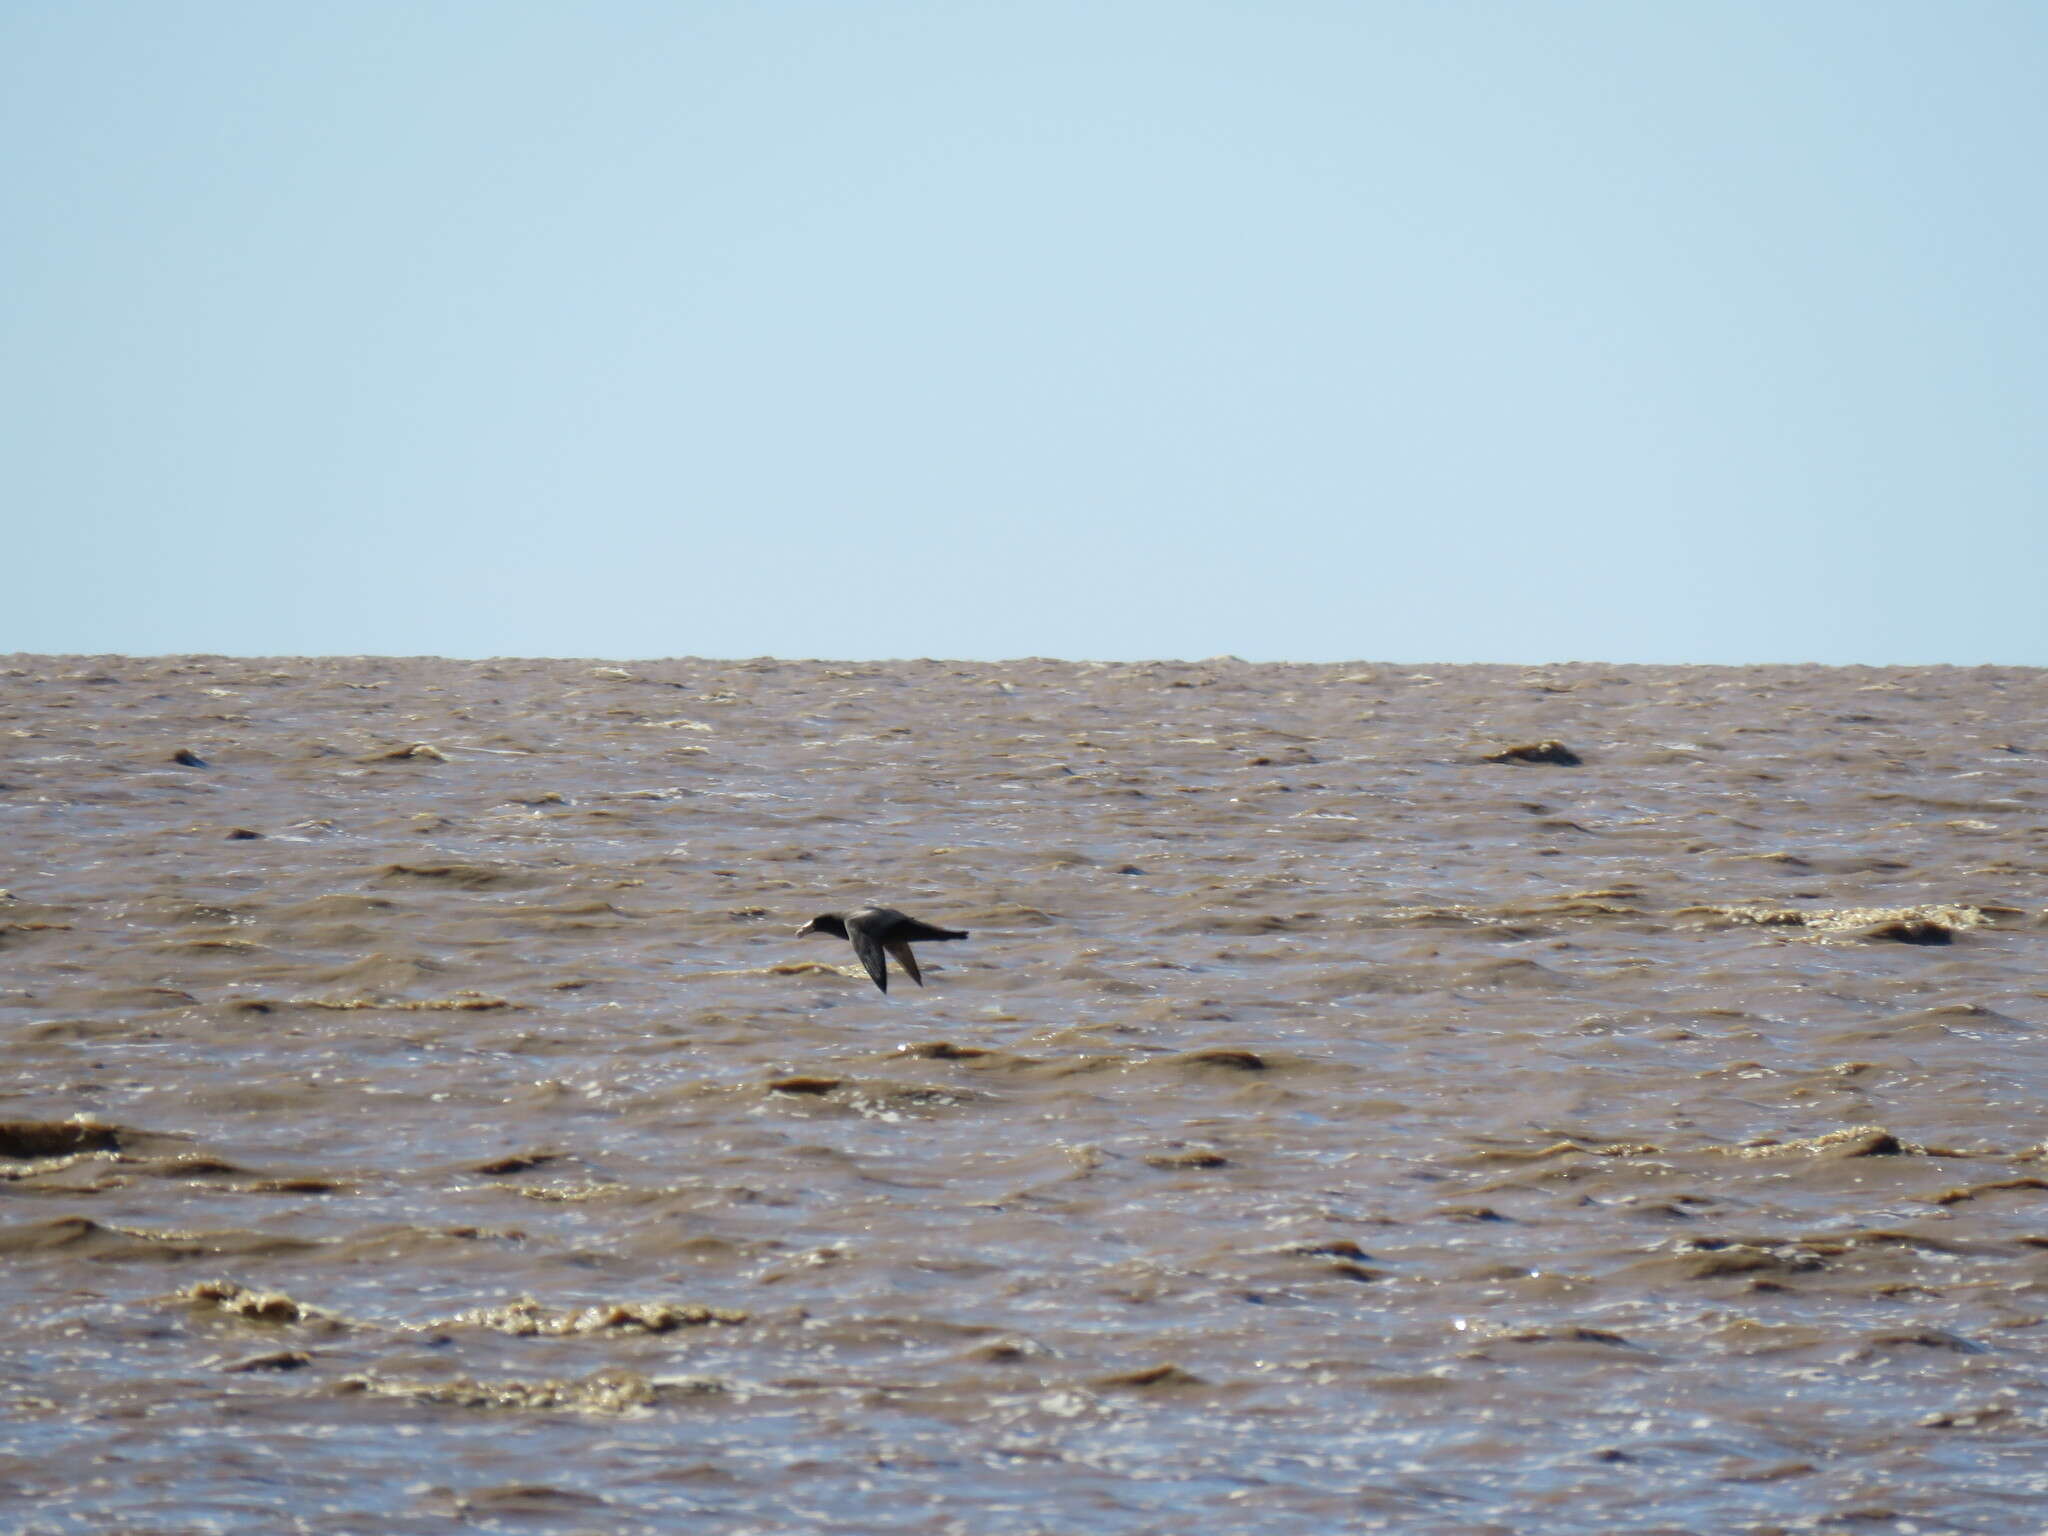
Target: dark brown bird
pixel 880 931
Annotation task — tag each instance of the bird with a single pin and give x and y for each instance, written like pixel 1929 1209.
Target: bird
pixel 880 931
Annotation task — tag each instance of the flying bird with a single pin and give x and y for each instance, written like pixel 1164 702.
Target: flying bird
pixel 877 932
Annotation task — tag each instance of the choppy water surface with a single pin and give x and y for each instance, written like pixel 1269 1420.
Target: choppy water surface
pixel 1325 1128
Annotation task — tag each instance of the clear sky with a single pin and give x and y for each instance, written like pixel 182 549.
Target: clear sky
pixel 1468 330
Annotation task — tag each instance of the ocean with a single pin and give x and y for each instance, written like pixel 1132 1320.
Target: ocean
pixel 1350 1113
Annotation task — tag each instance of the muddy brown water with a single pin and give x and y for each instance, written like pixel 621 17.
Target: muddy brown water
pixel 1324 1129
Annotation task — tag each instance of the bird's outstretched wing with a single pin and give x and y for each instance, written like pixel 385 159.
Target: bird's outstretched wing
pixel 869 948
pixel 910 928
pixel 900 953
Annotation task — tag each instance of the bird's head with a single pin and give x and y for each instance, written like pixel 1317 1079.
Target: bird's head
pixel 825 922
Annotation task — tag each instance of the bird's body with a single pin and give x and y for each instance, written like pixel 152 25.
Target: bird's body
pixel 878 935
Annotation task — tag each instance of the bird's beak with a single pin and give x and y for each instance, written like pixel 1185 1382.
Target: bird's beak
pixel 807 928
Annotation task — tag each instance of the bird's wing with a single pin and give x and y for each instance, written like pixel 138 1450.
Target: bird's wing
pixel 869 948
pixel 900 953
pixel 911 928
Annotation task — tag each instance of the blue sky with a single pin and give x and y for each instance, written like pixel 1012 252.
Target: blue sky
pixel 1469 331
